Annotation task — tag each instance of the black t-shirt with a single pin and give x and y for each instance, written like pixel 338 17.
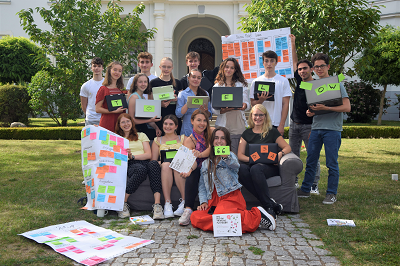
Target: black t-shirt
pixel 300 104
pixel 255 138
pixel 208 74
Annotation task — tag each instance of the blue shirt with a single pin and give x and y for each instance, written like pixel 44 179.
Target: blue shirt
pixel 187 126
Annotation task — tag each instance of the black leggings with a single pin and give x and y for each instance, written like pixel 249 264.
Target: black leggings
pixel 192 188
pixel 137 173
pixel 254 179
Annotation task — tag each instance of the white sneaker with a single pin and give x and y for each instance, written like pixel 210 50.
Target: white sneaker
pixel 168 213
pixel 180 209
pixel 158 213
pixel 314 190
pixel 125 212
pixel 185 218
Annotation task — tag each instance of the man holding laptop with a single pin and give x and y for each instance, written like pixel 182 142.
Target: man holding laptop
pixel 325 130
pixel 279 107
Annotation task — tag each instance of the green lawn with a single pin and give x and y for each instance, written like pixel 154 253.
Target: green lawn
pixel 41 182
pixel 48 122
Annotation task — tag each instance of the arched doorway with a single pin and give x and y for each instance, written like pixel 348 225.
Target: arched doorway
pixel 206 51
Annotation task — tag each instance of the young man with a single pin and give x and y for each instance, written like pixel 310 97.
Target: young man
pixel 145 62
pixel 325 130
pixel 279 108
pixel 193 62
pixel 300 125
pixel 89 91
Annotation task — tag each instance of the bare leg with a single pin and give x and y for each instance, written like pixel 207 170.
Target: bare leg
pixel 126 197
pixel 166 180
pixel 180 183
pixel 157 198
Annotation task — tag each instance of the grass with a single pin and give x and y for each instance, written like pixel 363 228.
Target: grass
pixel 48 122
pixel 256 250
pixel 41 182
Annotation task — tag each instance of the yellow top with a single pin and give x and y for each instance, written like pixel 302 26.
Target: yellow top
pixel 137 146
pixel 164 146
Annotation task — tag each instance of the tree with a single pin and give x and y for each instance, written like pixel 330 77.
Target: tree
pixel 81 31
pixel 340 29
pixel 380 63
pixel 18 61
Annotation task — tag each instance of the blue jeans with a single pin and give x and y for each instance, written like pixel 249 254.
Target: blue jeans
pixel 297 134
pixel 331 140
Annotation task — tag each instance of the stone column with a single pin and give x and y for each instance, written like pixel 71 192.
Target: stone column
pixel 159 15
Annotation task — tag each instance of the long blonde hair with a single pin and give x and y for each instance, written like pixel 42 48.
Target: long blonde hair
pixel 172 76
pixel 267 125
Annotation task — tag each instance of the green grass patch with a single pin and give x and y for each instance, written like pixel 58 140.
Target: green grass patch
pixel 256 250
pixel 192 237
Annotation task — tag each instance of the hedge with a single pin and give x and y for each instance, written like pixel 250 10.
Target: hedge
pixel 74 133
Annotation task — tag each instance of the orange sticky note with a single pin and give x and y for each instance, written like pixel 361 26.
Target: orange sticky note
pixel 264 148
pixel 246 66
pixel 286 59
pixel 225 55
pixel 251 50
pixel 92 182
pixel 106 168
pixel 116 148
pixel 252 57
pixel 244 45
pixel 285 52
pixel 110 154
pixel 75 231
pixel 251 44
pixel 230 46
pixel 284 76
pixel 247 76
pixel 87 189
pixel 236 45
pixel 254 75
pixel 253 62
pixel 245 57
pixel 237 52
pixel 224 46
pixel 103 153
pixel 101 176
pixel 255 156
pixel 267 44
pixel 231 52
pixel 279 59
pixel 272 156
pixel 245 51
pixel 93 203
pixel 112 199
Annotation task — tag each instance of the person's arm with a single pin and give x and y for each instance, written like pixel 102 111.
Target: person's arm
pixel 101 110
pixel 241 151
pixel 232 162
pixel 147 152
pixel 202 189
pixel 155 149
pixel 284 146
pixel 131 112
pixel 246 99
pixel 84 102
pixel 181 105
pixel 294 53
pixel 345 107
pixel 284 113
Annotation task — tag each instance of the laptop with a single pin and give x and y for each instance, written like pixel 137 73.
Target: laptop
pixel 227 97
pixel 163 93
pixel 196 101
pixel 260 86
pixel 116 101
pixel 168 155
pixel 263 153
pixel 147 108
pixel 324 91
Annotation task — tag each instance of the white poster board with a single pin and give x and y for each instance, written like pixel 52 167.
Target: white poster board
pixel 227 224
pixel 248 48
pixel 84 242
pixel 104 167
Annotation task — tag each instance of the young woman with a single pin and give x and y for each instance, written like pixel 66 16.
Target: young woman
pixel 254 177
pixel 182 109
pixel 219 190
pixel 230 75
pixel 199 143
pixel 139 166
pixel 113 84
pixel 167 78
pixel 140 86
pixel 167 142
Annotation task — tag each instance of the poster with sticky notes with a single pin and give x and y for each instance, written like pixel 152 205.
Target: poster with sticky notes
pixel 104 167
pixel 248 48
pixel 84 242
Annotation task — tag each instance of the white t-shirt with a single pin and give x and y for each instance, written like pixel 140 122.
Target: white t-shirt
pixel 282 89
pixel 130 81
pixel 89 90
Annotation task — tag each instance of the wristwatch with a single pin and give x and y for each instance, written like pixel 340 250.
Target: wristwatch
pixel 283 153
pixel 133 157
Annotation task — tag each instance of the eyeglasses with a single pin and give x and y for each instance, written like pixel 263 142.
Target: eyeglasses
pixel 320 67
pixel 258 115
pixel 125 122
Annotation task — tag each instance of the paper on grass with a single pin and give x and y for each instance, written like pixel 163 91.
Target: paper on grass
pixel 145 219
pixel 340 222
pixel 183 160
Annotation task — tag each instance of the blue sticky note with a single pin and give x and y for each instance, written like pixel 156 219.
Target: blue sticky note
pixel 279 52
pixel 124 158
pixel 284 40
pixel 261 61
pixel 36 235
pixel 260 49
pixel 101 164
pixel 92 195
pixel 263 72
pixel 101 197
pixel 276 71
pixel 89 183
pixel 284 46
pixel 117 156
pixel 110 237
pixel 278 44
pixel 281 72
pixel 45 234
pixel 87 131
pixel 288 71
pixel 103 135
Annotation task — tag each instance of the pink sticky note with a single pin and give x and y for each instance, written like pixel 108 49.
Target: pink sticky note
pixel 113 138
pixel 70 247
pixel 123 151
pixel 62 250
pixel 89 262
pixel 120 142
pixel 93 135
pixel 51 236
pixel 85 230
pixel 112 169
pixel 108 245
pixel 99 248
pixel 96 258
pixel 78 251
pixel 112 241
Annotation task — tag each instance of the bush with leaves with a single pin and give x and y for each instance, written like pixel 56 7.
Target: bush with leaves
pixel 18 60
pixel 14 104
pixel 364 100
pixel 48 96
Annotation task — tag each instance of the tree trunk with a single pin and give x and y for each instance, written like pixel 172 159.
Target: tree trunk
pixel 381 105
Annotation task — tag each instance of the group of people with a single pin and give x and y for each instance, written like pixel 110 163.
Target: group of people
pixel 215 179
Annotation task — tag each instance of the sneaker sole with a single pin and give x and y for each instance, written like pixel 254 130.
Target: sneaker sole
pixel 314 192
pixel 178 214
pixel 328 203
pixel 302 196
pixel 169 216
pixel 271 218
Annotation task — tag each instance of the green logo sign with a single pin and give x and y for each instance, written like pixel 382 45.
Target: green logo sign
pixel 197 101
pixel 116 103
pixel 263 87
pixel 170 154
pixel 222 150
pixel 163 96
pixel 171 142
pixel 148 108
pixel 227 97
pixel 321 89
pixel 333 87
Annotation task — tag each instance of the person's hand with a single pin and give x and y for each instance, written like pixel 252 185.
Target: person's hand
pixel 165 103
pixel 155 119
pixel 281 129
pixel 129 153
pixel 280 155
pixel 203 207
pixel 175 99
pixel 225 110
pixel 119 110
pixel 185 175
pixel 196 153
pixel 158 132
pixel 264 95
pixel 203 108
pixel 309 114
pixel 292 38
pixel 244 106
pixel 319 107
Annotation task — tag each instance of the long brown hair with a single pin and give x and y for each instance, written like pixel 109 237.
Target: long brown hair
pixel 200 90
pixel 207 130
pixel 133 87
pixel 133 135
pixel 237 76
pixel 107 79
pixel 212 158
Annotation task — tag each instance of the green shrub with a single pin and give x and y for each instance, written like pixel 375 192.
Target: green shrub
pixel 62 133
pixel 364 100
pixel 19 59
pixel 353 132
pixel 14 104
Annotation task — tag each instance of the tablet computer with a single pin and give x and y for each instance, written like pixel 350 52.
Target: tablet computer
pixel 196 101
pixel 263 153
pixel 147 108
pixel 260 86
pixel 163 93
pixel 227 97
pixel 115 101
pixel 168 155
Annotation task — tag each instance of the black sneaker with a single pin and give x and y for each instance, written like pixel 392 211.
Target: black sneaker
pixel 267 220
pixel 302 194
pixel 278 208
